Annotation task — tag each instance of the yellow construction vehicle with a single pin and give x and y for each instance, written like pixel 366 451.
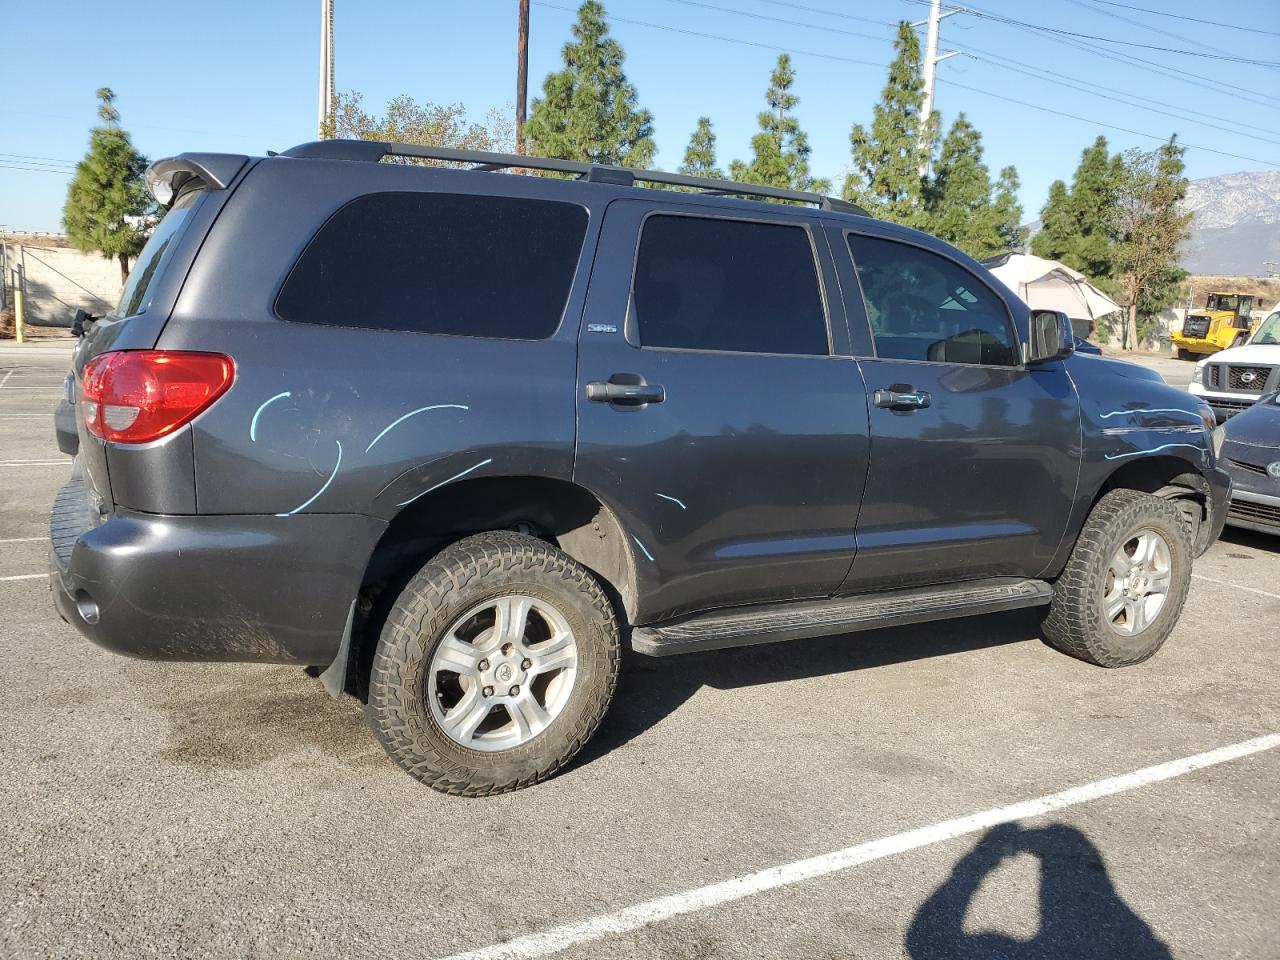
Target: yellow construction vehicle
pixel 1224 322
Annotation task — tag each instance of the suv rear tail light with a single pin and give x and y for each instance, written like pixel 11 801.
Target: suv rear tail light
pixel 133 396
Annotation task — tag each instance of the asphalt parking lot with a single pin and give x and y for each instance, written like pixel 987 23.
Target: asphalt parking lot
pixel 222 810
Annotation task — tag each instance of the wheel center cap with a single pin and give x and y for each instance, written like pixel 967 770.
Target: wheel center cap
pixel 505 673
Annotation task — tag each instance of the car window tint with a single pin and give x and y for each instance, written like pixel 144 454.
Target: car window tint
pixel 440 263
pixel 709 284
pixel 136 295
pixel 923 306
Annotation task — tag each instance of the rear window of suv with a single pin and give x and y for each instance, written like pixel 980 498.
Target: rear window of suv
pixel 136 295
pixel 467 265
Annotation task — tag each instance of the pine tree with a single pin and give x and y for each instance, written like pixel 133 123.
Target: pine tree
pixel 700 155
pixel 588 110
pixel 1008 212
pixel 781 149
pixel 107 190
pixel 1057 225
pixel 886 159
pixel 961 206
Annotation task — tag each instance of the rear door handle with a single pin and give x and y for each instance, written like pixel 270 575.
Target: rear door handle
pixel 627 394
pixel 901 397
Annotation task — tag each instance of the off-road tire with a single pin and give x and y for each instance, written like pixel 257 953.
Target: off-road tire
pixel 1075 622
pixel 1184 354
pixel 471 571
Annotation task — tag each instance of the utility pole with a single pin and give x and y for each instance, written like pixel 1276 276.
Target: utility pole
pixel 522 73
pixel 328 93
pixel 931 61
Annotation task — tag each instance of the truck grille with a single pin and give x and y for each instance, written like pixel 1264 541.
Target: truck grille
pixel 1254 512
pixel 1195 327
pixel 1251 467
pixel 1213 375
pixel 1225 409
pixel 1247 379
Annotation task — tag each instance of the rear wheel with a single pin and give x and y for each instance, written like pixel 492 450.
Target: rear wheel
pixel 1126 582
pixel 495 666
pixel 1185 354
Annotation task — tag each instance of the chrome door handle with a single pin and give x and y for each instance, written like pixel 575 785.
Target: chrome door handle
pixel 900 399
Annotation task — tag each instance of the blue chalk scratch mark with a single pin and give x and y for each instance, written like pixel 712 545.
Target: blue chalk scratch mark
pixel 643 548
pixel 482 463
pixel 1116 413
pixel 413 413
pixel 253 424
pixel 316 495
pixel 1165 446
pixel 678 503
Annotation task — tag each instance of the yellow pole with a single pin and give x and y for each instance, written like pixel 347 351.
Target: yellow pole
pixel 17 305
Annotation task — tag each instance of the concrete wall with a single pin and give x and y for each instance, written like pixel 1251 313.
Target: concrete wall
pixel 59 280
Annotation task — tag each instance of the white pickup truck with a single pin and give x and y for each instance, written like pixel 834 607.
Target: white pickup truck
pixel 1232 380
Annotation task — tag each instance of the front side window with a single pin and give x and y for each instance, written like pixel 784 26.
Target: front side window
pixel 923 306
pixel 440 263
pixel 1269 332
pixel 711 284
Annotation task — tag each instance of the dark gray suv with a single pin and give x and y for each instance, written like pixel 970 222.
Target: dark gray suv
pixel 454 436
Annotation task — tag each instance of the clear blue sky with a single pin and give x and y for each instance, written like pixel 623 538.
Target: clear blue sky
pixel 241 76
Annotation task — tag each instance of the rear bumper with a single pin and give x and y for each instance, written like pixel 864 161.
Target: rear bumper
pixel 238 588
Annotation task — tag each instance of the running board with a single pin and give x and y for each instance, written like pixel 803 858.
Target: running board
pixel 744 626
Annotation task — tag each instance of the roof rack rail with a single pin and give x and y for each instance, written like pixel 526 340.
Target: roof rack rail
pixel 372 151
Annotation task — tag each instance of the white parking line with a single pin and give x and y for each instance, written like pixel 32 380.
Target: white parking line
pixel 664 908
pixel 25 576
pixel 1238 586
pixel 22 539
pixel 34 463
pixel 5 378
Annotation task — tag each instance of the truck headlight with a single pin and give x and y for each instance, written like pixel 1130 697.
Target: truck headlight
pixel 1197 375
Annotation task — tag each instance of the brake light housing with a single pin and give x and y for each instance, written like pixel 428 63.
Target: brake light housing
pixel 136 396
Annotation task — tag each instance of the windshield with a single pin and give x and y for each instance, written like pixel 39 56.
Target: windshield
pixel 1221 301
pixel 135 298
pixel 1269 332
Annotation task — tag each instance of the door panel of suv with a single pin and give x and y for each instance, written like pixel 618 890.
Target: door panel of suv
pixel 974 457
pixel 736 475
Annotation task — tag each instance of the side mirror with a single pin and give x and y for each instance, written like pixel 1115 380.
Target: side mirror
pixel 1052 337
pixel 79 321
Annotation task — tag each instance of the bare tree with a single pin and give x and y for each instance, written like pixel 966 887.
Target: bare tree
pixel 1150 229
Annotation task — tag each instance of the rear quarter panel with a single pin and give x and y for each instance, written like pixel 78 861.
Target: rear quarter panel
pixel 327 419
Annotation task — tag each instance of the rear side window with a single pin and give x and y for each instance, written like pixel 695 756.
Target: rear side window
pixel 136 296
pixel 923 306
pixel 459 264
pixel 707 284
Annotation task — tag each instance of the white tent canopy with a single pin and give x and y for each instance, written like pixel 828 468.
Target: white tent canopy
pixel 1050 285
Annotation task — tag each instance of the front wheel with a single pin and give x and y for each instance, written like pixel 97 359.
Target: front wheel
pixel 1185 354
pixel 495 666
pixel 1120 595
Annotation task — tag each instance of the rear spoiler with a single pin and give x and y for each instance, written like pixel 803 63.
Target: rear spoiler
pixel 213 170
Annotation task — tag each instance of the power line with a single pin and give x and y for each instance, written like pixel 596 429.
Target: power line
pixel 716 36
pixel 794 23
pixel 1145 26
pixel 1126 43
pixel 1109 126
pixel 1178 16
pixel 1117 97
pixel 1186 77
pixel 65 173
pixel 1002 60
pixel 830 13
pixel 23 156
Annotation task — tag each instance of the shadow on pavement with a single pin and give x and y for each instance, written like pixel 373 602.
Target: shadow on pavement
pixel 1081 914
pixel 651 689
